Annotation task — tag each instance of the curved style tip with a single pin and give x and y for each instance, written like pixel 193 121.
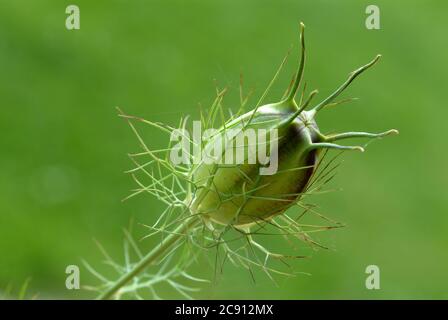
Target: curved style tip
pixel 350 79
pixel 388 133
pixel 348 135
pixel 375 60
pixel 299 74
pixel 394 131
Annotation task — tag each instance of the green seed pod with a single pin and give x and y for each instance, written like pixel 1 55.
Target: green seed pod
pixel 240 194
pixel 232 183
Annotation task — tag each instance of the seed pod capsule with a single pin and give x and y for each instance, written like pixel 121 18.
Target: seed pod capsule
pixel 239 194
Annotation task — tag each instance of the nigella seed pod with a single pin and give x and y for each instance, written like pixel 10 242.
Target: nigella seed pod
pixel 239 194
pixel 246 173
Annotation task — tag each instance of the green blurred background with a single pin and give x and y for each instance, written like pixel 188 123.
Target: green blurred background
pixel 64 148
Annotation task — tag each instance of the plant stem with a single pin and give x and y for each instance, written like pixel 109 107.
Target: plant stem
pixel 151 257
